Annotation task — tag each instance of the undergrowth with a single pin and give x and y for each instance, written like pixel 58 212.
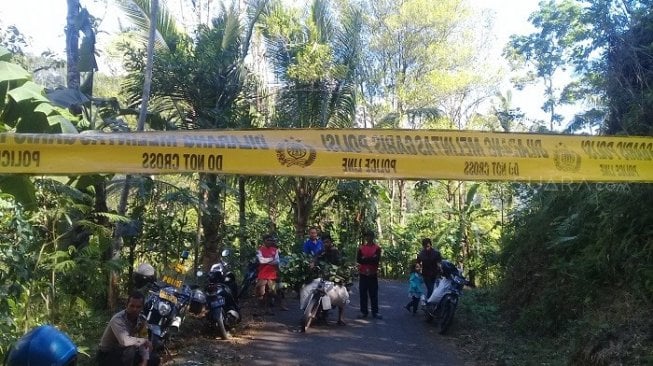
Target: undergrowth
pixel 618 333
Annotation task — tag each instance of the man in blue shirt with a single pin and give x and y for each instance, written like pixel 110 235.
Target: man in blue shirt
pixel 313 246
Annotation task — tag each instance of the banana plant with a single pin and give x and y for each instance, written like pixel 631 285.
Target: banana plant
pixel 25 108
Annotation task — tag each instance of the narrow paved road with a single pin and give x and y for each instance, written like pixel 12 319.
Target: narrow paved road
pixel 398 339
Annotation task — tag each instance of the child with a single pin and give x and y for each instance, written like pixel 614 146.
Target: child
pixel 416 284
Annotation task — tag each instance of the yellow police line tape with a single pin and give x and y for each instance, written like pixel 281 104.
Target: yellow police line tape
pixel 349 153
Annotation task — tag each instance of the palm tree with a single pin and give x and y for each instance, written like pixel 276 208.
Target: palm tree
pixel 199 85
pixel 315 60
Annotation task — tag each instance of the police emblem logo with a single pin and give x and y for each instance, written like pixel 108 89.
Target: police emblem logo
pixel 565 159
pixel 293 152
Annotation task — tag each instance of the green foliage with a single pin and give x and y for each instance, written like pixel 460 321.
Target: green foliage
pixel 17 260
pixel 351 212
pixel 162 221
pixel 421 61
pixel 194 84
pixel 298 271
pixel 630 72
pixel 23 104
pixel 24 107
pixel 567 235
pixel 614 332
pixel 168 35
pixel 12 40
pixel 52 261
pixel 575 253
pixel 316 60
pixel 395 260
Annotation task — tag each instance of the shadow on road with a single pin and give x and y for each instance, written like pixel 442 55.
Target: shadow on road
pixel 400 338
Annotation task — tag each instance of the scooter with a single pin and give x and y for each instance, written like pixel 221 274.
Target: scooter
pixel 320 296
pixel 441 305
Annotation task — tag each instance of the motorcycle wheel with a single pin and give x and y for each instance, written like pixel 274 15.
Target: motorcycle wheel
pixel 428 317
pixel 427 313
pixel 310 313
pixel 158 343
pixel 448 309
pixel 219 323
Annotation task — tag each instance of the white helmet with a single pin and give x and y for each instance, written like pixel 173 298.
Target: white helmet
pixel 145 270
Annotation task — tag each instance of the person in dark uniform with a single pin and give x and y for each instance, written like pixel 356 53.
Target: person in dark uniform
pixel 429 259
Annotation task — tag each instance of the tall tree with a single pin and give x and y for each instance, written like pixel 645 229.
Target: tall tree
pixel 145 97
pixel 315 58
pixel 629 80
pixel 423 67
pixel 200 84
pixel 72 44
pixel 547 51
pixel 579 37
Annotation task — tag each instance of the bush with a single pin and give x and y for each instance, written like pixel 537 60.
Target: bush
pixel 298 271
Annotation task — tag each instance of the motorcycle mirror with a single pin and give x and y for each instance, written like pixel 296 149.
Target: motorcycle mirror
pixel 199 273
pixel 226 253
pixel 185 254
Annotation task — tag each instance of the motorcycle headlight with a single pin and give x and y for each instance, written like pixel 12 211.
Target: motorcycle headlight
pixel 164 308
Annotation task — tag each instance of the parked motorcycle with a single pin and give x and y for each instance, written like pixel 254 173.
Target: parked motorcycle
pixel 217 302
pixel 318 297
pixel 166 303
pixel 249 279
pixel 441 305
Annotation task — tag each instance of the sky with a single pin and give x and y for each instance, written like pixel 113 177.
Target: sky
pixel 44 20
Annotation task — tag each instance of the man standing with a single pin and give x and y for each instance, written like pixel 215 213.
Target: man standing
pixel 268 267
pixel 429 258
pixel 313 246
pixel 368 257
pixel 332 256
pixel 120 344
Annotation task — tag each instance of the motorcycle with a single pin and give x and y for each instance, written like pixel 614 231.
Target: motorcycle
pixel 217 302
pixel 441 305
pixel 320 296
pixel 249 280
pixel 251 274
pixel 166 304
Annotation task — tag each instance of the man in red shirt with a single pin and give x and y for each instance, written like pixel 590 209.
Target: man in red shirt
pixel 268 267
pixel 368 257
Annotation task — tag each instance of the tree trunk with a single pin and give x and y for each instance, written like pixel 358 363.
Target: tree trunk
pixel 122 206
pixel 72 45
pixel 392 202
pixel 403 201
pixel 302 207
pixel 211 219
pixel 242 216
pixel 149 65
